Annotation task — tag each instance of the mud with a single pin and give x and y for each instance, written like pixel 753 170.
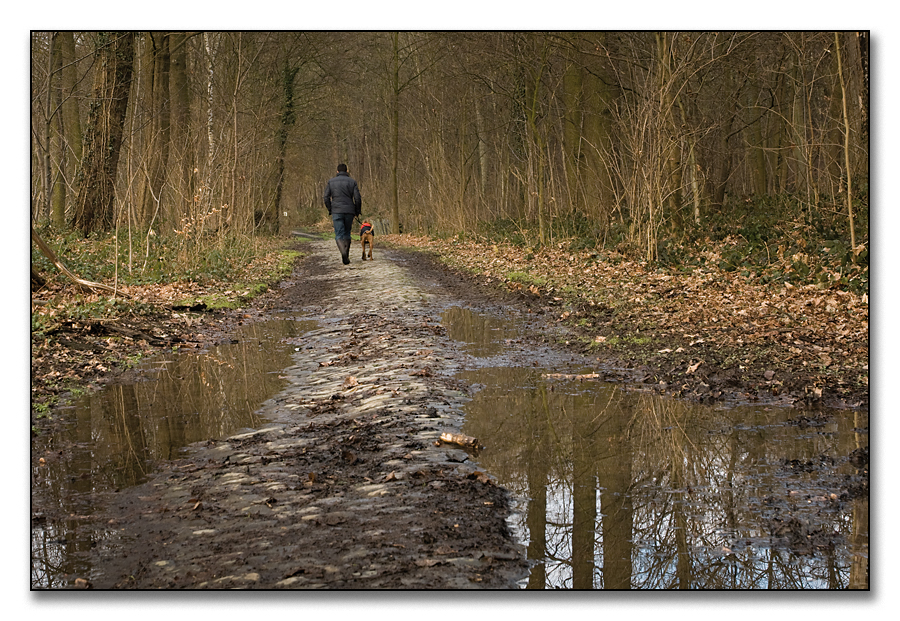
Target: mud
pixel 348 485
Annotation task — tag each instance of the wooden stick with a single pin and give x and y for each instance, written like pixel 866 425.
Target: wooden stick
pixel 570 376
pixel 460 439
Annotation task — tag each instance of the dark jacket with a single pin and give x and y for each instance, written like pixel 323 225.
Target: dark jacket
pixel 342 195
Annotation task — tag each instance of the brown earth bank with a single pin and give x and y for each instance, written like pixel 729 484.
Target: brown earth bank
pixel 349 486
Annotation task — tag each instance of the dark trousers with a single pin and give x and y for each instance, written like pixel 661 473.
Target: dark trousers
pixel 343 224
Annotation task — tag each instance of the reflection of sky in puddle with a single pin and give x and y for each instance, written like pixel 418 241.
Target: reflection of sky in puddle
pixel 112 437
pixel 630 490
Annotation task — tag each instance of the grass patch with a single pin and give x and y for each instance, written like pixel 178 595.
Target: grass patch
pixel 226 276
pixel 106 258
pixel 526 279
pixel 626 341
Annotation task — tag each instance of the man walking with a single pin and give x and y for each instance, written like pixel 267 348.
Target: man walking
pixel 344 203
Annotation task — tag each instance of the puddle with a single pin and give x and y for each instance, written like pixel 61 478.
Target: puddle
pixel 629 490
pixel 113 437
pixel 483 335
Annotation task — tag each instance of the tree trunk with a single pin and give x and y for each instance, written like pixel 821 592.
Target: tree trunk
pixel 395 135
pixel 862 65
pixel 798 130
pixel 670 185
pixel 572 127
pixel 46 165
pixel 536 142
pixel 693 167
pixel 756 144
pixel 143 112
pixel 71 115
pixel 461 218
pixel 288 118
pixel 56 142
pixel 181 156
pixel 70 119
pixel 599 194
pixel 849 192
pixel 482 151
pixel 206 188
pixel 158 124
pixel 94 205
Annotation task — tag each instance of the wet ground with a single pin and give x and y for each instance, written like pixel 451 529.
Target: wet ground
pixel 303 451
pixel 629 490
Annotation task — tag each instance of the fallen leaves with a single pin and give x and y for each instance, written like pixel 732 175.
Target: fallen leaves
pixel 480 476
pixel 728 317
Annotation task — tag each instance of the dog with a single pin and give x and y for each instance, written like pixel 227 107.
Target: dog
pixel 366 236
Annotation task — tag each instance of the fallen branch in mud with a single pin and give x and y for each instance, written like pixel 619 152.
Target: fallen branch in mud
pixel 572 376
pixel 133 334
pixel 461 440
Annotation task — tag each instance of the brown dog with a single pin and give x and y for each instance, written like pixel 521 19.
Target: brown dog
pixel 366 236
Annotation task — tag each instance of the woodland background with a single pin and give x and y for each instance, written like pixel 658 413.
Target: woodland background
pixel 750 127
pixel 184 147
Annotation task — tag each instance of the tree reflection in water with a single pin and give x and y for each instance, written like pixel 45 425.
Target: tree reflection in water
pixel 113 436
pixel 481 334
pixel 628 490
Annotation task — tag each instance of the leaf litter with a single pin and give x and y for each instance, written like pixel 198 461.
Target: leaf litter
pixel 707 333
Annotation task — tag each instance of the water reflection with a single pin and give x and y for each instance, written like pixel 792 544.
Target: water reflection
pixel 628 490
pixel 482 334
pixel 112 438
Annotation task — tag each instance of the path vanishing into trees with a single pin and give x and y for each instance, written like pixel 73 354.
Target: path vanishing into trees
pixel 349 485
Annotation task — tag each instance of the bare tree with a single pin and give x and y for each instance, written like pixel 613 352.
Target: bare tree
pixel 103 138
pixel 849 191
pixel 629 138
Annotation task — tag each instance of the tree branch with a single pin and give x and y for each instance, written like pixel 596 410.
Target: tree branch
pixel 48 252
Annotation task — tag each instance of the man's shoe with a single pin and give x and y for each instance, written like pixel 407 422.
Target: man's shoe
pixel 344 246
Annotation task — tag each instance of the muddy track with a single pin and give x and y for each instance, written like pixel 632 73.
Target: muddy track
pixel 348 486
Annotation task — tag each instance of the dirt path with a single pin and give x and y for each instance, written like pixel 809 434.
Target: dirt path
pixel 349 485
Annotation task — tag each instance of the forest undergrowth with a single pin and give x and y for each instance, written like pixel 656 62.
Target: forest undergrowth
pixel 174 290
